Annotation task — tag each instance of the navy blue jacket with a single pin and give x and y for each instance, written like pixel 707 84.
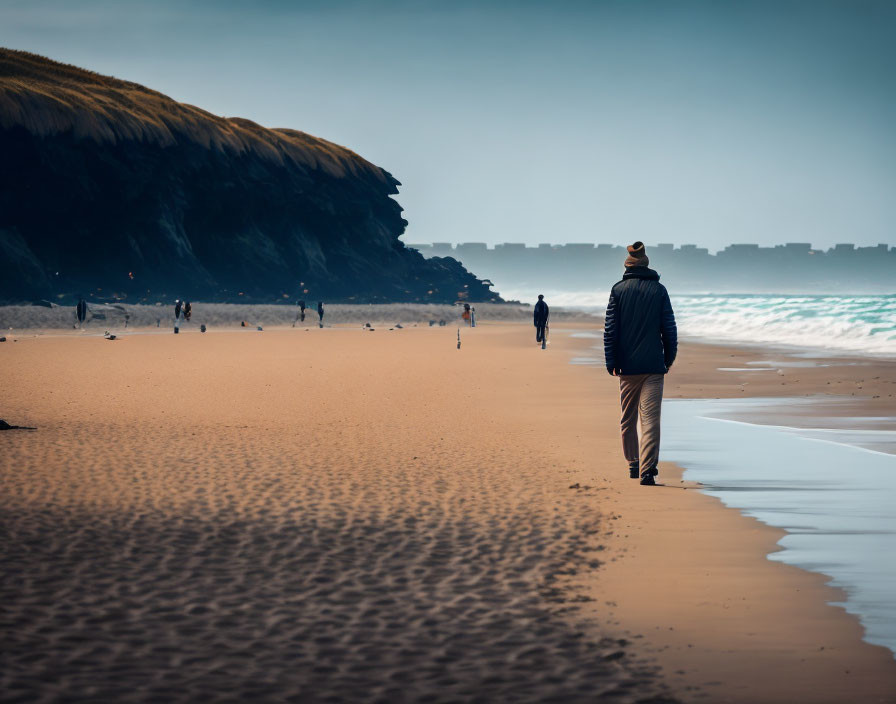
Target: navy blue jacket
pixel 541 313
pixel 640 336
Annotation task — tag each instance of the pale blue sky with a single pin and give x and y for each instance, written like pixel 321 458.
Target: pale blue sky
pixel 703 122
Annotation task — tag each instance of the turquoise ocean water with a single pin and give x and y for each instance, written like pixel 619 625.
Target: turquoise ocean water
pixel 862 325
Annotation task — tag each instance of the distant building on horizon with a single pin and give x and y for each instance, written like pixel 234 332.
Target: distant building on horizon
pixel 792 267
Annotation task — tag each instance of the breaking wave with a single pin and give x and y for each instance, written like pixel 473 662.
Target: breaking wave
pixel 856 324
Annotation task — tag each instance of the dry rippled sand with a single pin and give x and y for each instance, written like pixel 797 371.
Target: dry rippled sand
pixel 283 518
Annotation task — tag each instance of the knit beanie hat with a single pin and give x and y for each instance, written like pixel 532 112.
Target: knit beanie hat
pixel 636 255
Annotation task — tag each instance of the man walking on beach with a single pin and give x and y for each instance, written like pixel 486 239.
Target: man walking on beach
pixel 640 344
pixel 178 309
pixel 541 314
pixel 81 311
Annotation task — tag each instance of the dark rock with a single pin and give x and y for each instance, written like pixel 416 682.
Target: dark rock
pixel 115 186
pixel 6 426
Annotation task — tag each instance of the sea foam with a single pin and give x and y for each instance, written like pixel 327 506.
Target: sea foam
pixel 854 324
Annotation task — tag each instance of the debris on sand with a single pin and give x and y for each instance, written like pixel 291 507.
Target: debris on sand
pixel 6 426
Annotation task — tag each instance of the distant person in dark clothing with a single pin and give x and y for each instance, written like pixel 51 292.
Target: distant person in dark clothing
pixel 302 309
pixel 178 310
pixel 542 313
pixel 640 344
pixel 82 311
pixel 320 312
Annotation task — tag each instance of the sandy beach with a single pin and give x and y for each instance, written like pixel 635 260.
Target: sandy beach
pixel 342 515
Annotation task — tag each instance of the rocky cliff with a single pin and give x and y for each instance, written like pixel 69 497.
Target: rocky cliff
pixel 110 189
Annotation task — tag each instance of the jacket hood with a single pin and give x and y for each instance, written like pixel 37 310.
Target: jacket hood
pixel 640 272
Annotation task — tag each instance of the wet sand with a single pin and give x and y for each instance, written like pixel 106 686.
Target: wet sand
pixel 339 515
pixel 726 623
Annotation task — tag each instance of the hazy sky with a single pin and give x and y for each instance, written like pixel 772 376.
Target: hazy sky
pixel 704 122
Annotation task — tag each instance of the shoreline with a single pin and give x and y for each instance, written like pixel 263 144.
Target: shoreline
pixel 512 446
pixel 720 613
pixel 834 499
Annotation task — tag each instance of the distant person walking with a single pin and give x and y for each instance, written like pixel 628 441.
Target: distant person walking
pixel 178 311
pixel 640 344
pixel 541 315
pixel 320 313
pixel 81 310
pixel 302 309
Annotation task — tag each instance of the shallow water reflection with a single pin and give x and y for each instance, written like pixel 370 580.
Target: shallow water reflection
pixel 835 497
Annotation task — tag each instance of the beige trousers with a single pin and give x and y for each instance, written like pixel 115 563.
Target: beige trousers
pixel 642 395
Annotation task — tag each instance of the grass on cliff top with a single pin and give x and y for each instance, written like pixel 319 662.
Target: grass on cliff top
pixel 47 98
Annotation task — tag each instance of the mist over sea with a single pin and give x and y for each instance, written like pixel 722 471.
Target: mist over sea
pixel 857 324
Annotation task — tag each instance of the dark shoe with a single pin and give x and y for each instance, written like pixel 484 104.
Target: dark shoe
pixel 647 480
pixel 633 471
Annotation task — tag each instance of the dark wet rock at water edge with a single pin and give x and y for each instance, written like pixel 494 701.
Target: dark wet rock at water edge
pixel 111 188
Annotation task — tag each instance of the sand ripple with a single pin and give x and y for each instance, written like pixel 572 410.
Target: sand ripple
pixel 246 528
pixel 307 592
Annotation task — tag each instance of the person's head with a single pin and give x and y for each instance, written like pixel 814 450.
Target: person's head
pixel 636 255
pixel 540 296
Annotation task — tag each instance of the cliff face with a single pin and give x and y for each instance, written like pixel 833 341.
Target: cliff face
pixel 107 187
